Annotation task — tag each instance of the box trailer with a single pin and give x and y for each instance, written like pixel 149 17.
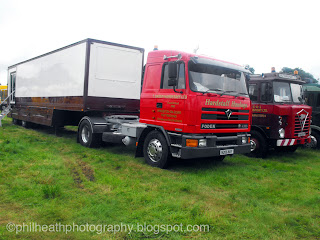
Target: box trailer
pixel 178 105
pixel 60 87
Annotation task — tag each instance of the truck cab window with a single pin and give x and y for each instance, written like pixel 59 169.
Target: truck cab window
pixel 181 77
pixel 265 94
pixel 253 92
pixel 310 100
pixel 318 100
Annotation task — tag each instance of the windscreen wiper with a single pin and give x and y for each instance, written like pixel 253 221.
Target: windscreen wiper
pixel 241 93
pixel 215 89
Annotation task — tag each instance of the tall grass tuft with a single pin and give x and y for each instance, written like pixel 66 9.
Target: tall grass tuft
pixel 51 191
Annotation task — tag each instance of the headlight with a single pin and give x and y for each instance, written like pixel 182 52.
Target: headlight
pixel 244 140
pixel 280 120
pixel 309 131
pixel 281 133
pixel 202 142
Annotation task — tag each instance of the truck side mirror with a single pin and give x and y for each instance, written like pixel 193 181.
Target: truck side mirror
pixel 173 73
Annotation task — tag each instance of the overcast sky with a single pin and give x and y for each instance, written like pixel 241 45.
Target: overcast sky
pixel 259 33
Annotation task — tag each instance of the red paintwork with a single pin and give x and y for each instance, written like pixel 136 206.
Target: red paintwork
pixel 182 110
pixel 272 113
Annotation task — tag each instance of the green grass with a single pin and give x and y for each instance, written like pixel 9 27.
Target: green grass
pixel 48 179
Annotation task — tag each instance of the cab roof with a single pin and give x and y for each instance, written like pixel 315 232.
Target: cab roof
pixel 158 56
pixel 276 77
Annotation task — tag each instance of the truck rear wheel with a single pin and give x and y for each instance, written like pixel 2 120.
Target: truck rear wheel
pixel 156 150
pixel 259 145
pixel 86 137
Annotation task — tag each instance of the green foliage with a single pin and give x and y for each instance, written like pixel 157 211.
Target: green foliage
pixel 305 76
pixel 51 191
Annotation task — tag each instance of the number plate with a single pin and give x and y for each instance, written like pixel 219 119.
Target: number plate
pixel 226 151
pixel 301 134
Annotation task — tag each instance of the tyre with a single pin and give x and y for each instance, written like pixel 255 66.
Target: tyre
pixel 316 136
pixel 86 137
pixel 155 150
pixel 259 146
pixel 25 124
pixel 15 121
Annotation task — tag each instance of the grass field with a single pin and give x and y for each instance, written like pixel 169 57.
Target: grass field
pixel 45 179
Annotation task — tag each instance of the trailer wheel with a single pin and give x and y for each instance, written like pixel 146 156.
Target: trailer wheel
pixel 25 124
pixel 155 150
pixel 259 145
pixel 86 137
pixel 15 121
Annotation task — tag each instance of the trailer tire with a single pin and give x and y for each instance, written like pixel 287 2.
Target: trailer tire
pixel 86 137
pixel 15 121
pixel 156 150
pixel 259 145
pixel 25 124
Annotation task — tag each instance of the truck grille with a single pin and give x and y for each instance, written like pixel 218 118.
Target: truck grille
pixel 222 114
pixel 223 117
pixel 297 126
pixel 225 114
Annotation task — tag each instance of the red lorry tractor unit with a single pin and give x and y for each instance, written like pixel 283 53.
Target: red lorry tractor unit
pixel 280 119
pixel 178 105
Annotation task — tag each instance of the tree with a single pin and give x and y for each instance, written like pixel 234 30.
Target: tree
pixel 305 76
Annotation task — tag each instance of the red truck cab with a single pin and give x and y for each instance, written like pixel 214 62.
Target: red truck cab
pixel 280 120
pixel 207 111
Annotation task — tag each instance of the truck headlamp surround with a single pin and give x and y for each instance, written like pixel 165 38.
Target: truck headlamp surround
pixel 281 133
pixel 202 142
pixel 244 140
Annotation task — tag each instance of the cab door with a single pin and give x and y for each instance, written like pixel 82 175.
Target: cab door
pixel 170 108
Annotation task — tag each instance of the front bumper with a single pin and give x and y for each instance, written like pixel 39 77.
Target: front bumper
pixel 292 142
pixel 233 145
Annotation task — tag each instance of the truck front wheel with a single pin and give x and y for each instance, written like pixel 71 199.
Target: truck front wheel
pixel 156 150
pixel 316 142
pixel 259 145
pixel 86 137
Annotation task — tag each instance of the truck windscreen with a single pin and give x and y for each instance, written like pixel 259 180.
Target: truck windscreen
pixel 211 78
pixel 287 92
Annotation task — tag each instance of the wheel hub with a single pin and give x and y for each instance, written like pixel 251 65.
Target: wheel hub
pixel 155 150
pixel 313 142
pixel 85 135
pixel 253 145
